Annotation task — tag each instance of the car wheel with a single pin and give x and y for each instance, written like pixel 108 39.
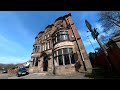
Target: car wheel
pixel 27 73
pixel 18 75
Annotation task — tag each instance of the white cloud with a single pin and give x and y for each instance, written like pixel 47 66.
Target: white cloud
pixel 15 38
pixel 10 45
pixel 99 27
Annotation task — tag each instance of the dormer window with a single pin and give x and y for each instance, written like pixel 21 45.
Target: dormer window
pixel 60 26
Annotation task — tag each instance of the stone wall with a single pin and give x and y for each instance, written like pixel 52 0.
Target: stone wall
pixel 65 70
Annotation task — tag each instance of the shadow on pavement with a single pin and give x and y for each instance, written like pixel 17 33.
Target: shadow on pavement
pixel 100 73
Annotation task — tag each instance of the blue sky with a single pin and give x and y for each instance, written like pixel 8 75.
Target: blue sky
pixel 19 28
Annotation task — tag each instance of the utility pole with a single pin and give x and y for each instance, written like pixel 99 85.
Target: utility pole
pixel 105 51
pixel 95 34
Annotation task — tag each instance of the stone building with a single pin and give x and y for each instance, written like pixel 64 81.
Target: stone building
pixel 58 47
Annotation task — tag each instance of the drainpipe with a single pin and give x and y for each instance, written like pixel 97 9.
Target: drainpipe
pixel 53 59
pixel 78 47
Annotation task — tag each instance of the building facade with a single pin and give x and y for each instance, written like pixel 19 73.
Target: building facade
pixel 58 48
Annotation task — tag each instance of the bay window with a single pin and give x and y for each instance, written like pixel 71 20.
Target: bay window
pixel 64 56
pixel 61 36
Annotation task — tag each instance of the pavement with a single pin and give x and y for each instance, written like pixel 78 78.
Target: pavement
pixel 41 76
pixel 101 73
pixel 3 76
pixel 96 74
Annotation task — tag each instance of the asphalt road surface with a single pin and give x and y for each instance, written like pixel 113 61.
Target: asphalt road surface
pixel 40 76
pixel 3 76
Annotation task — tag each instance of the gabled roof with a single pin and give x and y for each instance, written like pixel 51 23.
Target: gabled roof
pixel 40 32
pixel 49 26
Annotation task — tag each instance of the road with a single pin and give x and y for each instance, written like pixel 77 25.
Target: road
pixel 40 76
pixel 3 76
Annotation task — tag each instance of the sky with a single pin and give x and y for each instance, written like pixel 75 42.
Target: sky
pixel 18 30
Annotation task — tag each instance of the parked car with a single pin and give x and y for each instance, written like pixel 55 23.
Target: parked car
pixel 22 71
pixel 4 71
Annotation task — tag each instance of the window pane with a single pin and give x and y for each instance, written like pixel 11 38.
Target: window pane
pixel 70 50
pixel 48 45
pixel 60 60
pixel 61 38
pixel 58 33
pixel 54 42
pixel 65 51
pixel 66 58
pixel 72 59
pixel 65 32
pixel 58 38
pixel 65 37
pixel 55 58
pixel 61 26
pixel 62 32
pixel 60 52
pixel 41 47
pixel 55 53
pixel 45 46
pixel 36 63
pixel 37 48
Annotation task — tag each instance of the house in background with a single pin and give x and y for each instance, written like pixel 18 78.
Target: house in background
pixel 27 64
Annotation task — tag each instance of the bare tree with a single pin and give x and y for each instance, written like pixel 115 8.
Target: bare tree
pixel 110 20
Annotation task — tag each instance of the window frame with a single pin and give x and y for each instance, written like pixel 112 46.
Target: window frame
pixel 61 36
pixel 57 55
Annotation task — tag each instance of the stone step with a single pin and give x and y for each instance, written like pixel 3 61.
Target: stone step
pixel 42 73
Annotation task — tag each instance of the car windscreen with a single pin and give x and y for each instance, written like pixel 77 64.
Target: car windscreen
pixel 22 69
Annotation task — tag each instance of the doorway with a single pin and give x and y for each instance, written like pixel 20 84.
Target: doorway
pixel 45 63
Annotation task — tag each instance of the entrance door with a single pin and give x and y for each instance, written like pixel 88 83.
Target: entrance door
pixel 45 63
